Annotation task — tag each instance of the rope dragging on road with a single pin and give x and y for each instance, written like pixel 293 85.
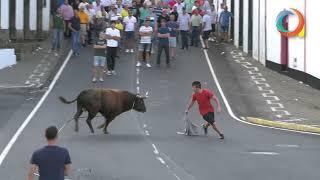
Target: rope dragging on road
pixel 68 121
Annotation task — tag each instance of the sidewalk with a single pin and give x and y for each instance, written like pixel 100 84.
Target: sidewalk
pixel 276 100
pixel 35 67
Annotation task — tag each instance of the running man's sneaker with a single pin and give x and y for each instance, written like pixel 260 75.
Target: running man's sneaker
pixel 138 64
pixel 94 79
pixel 148 65
pixel 132 51
pixel 109 73
pixel 221 136
pixel 56 54
pixel 101 80
pixel 114 72
pixel 205 129
pixel 127 50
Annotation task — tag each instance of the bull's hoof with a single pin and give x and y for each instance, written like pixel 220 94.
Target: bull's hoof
pixel 105 132
pixel 76 129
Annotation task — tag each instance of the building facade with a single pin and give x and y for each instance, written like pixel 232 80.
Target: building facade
pixel 255 32
pixel 24 19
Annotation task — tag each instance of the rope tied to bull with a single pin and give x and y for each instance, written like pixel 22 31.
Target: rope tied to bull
pixel 68 121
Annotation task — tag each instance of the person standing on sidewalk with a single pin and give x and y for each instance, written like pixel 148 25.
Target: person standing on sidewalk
pixel 196 25
pixel 203 97
pixel 145 32
pixel 206 28
pixel 67 14
pixel 214 17
pixel 113 38
pixel 224 21
pixel 84 24
pixel 163 37
pixel 57 33
pixel 99 61
pixel 184 27
pixel 74 26
pixel 173 27
pixel 130 24
pixel 52 162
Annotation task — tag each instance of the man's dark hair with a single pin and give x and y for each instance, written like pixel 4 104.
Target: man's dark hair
pixel 197 84
pixel 51 133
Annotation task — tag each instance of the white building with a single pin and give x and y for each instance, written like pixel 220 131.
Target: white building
pixel 254 31
pixel 24 19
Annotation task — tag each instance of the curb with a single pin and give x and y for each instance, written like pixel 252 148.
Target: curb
pixel 283 125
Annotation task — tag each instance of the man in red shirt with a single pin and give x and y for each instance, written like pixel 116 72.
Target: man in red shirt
pixel 203 97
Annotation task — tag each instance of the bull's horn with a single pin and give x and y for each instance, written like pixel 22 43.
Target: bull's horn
pixel 147 94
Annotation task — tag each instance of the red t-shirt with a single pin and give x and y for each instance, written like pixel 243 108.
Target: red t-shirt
pixel 203 100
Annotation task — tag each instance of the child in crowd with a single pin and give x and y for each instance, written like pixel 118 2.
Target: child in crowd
pixel 99 58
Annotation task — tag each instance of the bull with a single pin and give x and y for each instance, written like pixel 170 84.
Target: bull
pixel 108 102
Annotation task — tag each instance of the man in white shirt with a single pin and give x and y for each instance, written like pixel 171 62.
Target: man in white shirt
pixel 145 42
pixel 184 27
pixel 221 9
pixel 129 27
pixel 112 36
pixel 179 6
pixel 206 28
pixel 214 19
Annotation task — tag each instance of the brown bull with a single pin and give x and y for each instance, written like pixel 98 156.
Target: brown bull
pixel 108 102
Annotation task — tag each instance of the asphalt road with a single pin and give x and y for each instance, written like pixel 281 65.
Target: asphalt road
pixel 147 146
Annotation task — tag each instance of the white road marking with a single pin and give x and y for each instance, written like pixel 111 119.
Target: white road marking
pixel 6 150
pixel 176 176
pixel 161 160
pixel 265 153
pixel 217 83
pixel 147 133
pixel 155 149
pixel 288 145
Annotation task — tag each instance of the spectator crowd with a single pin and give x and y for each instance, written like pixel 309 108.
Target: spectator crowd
pixel 116 25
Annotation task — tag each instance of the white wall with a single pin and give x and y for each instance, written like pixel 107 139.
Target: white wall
pixel 255 29
pixel 296 44
pixel 273 36
pixel 245 25
pixel 263 33
pixel 19 12
pixel 236 22
pixel 4 14
pixel 33 15
pixel 312 38
pixel 258 31
pixel 46 16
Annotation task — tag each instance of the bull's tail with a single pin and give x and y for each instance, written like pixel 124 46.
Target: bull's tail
pixel 63 100
pixel 101 126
